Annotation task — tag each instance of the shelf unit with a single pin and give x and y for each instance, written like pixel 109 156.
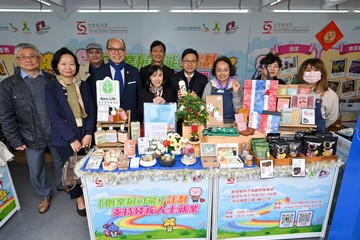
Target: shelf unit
pixel 108 145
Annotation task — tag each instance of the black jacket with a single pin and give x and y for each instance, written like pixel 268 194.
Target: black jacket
pixel 197 83
pixel 18 117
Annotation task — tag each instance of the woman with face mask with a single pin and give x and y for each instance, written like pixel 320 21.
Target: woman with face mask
pixel 313 72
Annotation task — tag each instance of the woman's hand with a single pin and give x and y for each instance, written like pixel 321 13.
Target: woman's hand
pixel 159 100
pixel 236 86
pixel 76 146
pixel 86 141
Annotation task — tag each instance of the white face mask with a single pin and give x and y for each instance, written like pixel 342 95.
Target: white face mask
pixel 312 77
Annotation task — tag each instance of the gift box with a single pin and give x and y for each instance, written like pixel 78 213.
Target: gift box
pixel 269 122
pixel 260 95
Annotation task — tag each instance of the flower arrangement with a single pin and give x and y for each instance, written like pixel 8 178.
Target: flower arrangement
pixel 174 142
pixel 191 108
pixel 156 145
pixel 189 150
pixel 194 133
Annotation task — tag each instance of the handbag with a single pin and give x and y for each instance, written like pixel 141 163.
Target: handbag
pixel 69 178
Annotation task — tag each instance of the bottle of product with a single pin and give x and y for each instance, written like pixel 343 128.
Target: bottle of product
pixel 122 114
pixel 113 117
pixel 99 136
pixel 122 134
pixel 111 135
pixel 135 130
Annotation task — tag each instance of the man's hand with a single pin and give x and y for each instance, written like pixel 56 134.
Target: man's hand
pixel 21 148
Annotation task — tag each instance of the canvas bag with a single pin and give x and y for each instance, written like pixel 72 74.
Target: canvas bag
pixel 69 179
pixel 260 95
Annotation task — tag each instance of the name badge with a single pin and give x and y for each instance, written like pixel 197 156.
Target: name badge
pixel 133 82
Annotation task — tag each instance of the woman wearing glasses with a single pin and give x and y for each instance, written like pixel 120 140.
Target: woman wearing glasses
pixel 154 91
pixel 71 112
pixel 225 84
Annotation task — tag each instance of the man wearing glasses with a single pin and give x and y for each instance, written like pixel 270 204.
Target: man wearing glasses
pixel 195 82
pixel 25 122
pixel 127 75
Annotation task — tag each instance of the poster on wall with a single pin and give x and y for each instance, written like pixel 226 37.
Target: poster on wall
pixel 276 206
pixel 149 209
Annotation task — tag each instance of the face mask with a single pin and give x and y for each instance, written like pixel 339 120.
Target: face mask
pixel 312 77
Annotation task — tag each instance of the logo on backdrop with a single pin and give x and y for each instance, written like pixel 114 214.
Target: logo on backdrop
pixel 25 28
pixel 41 28
pixel 81 27
pixel 270 27
pixel 216 28
pixel 4 28
pixel 267 27
pixel 84 28
pixel 13 28
pixel 188 28
pixel 231 27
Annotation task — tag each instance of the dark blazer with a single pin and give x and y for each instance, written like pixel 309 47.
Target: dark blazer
pixel 197 83
pixel 168 73
pixel 128 100
pixel 63 125
pixel 18 117
pixel 145 96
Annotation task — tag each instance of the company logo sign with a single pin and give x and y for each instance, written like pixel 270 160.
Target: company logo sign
pixel 84 28
pixel 25 28
pixel 81 27
pixel 4 28
pixel 270 27
pixel 41 28
pixel 189 28
pixel 231 27
pixel 267 27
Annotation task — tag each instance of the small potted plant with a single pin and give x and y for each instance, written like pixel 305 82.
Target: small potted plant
pixel 192 110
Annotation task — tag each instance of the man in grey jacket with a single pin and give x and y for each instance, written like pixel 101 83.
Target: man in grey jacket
pixel 25 122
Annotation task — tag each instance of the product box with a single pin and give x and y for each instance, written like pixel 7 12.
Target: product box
pixel 214 106
pixel 208 155
pixel 343 147
pixel 282 103
pixel 227 154
pixel 307 116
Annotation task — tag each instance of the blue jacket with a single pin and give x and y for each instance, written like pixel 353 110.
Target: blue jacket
pixel 63 125
pixel 128 100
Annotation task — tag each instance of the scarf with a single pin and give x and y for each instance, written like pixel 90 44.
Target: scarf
pixel 74 99
pixel 157 91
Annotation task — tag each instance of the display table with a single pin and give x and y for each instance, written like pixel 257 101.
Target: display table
pixel 182 202
pixel 9 202
pixel 156 203
pixel 283 207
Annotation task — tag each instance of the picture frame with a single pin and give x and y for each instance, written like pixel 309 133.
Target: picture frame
pixel 354 69
pixel 298 167
pixel 348 88
pixel 338 67
pixel 334 85
pixel 266 168
pixel 208 155
pixel 290 65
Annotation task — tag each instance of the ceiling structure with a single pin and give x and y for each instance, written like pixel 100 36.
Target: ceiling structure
pixel 68 6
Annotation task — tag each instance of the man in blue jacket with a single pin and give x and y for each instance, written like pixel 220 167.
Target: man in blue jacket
pixel 117 69
pixel 25 122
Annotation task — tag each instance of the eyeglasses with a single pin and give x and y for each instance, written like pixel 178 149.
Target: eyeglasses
pixel 114 50
pixel 190 61
pixel 24 58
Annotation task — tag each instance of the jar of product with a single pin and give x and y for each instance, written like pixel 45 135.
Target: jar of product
pixel 248 160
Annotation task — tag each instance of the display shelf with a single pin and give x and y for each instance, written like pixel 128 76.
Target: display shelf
pixel 291 128
pixel 108 145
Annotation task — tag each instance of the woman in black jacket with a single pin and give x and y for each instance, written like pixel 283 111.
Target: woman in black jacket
pixel 154 91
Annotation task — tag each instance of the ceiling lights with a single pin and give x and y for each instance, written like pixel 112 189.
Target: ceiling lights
pixel 210 11
pixel 25 10
pixel 309 11
pixel 117 11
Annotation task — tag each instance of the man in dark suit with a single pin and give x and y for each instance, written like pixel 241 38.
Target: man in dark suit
pixel 127 75
pixel 157 53
pixel 195 82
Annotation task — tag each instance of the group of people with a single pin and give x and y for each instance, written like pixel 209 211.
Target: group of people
pixel 40 111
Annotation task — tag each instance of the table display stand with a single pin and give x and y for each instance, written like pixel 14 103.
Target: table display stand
pixel 9 202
